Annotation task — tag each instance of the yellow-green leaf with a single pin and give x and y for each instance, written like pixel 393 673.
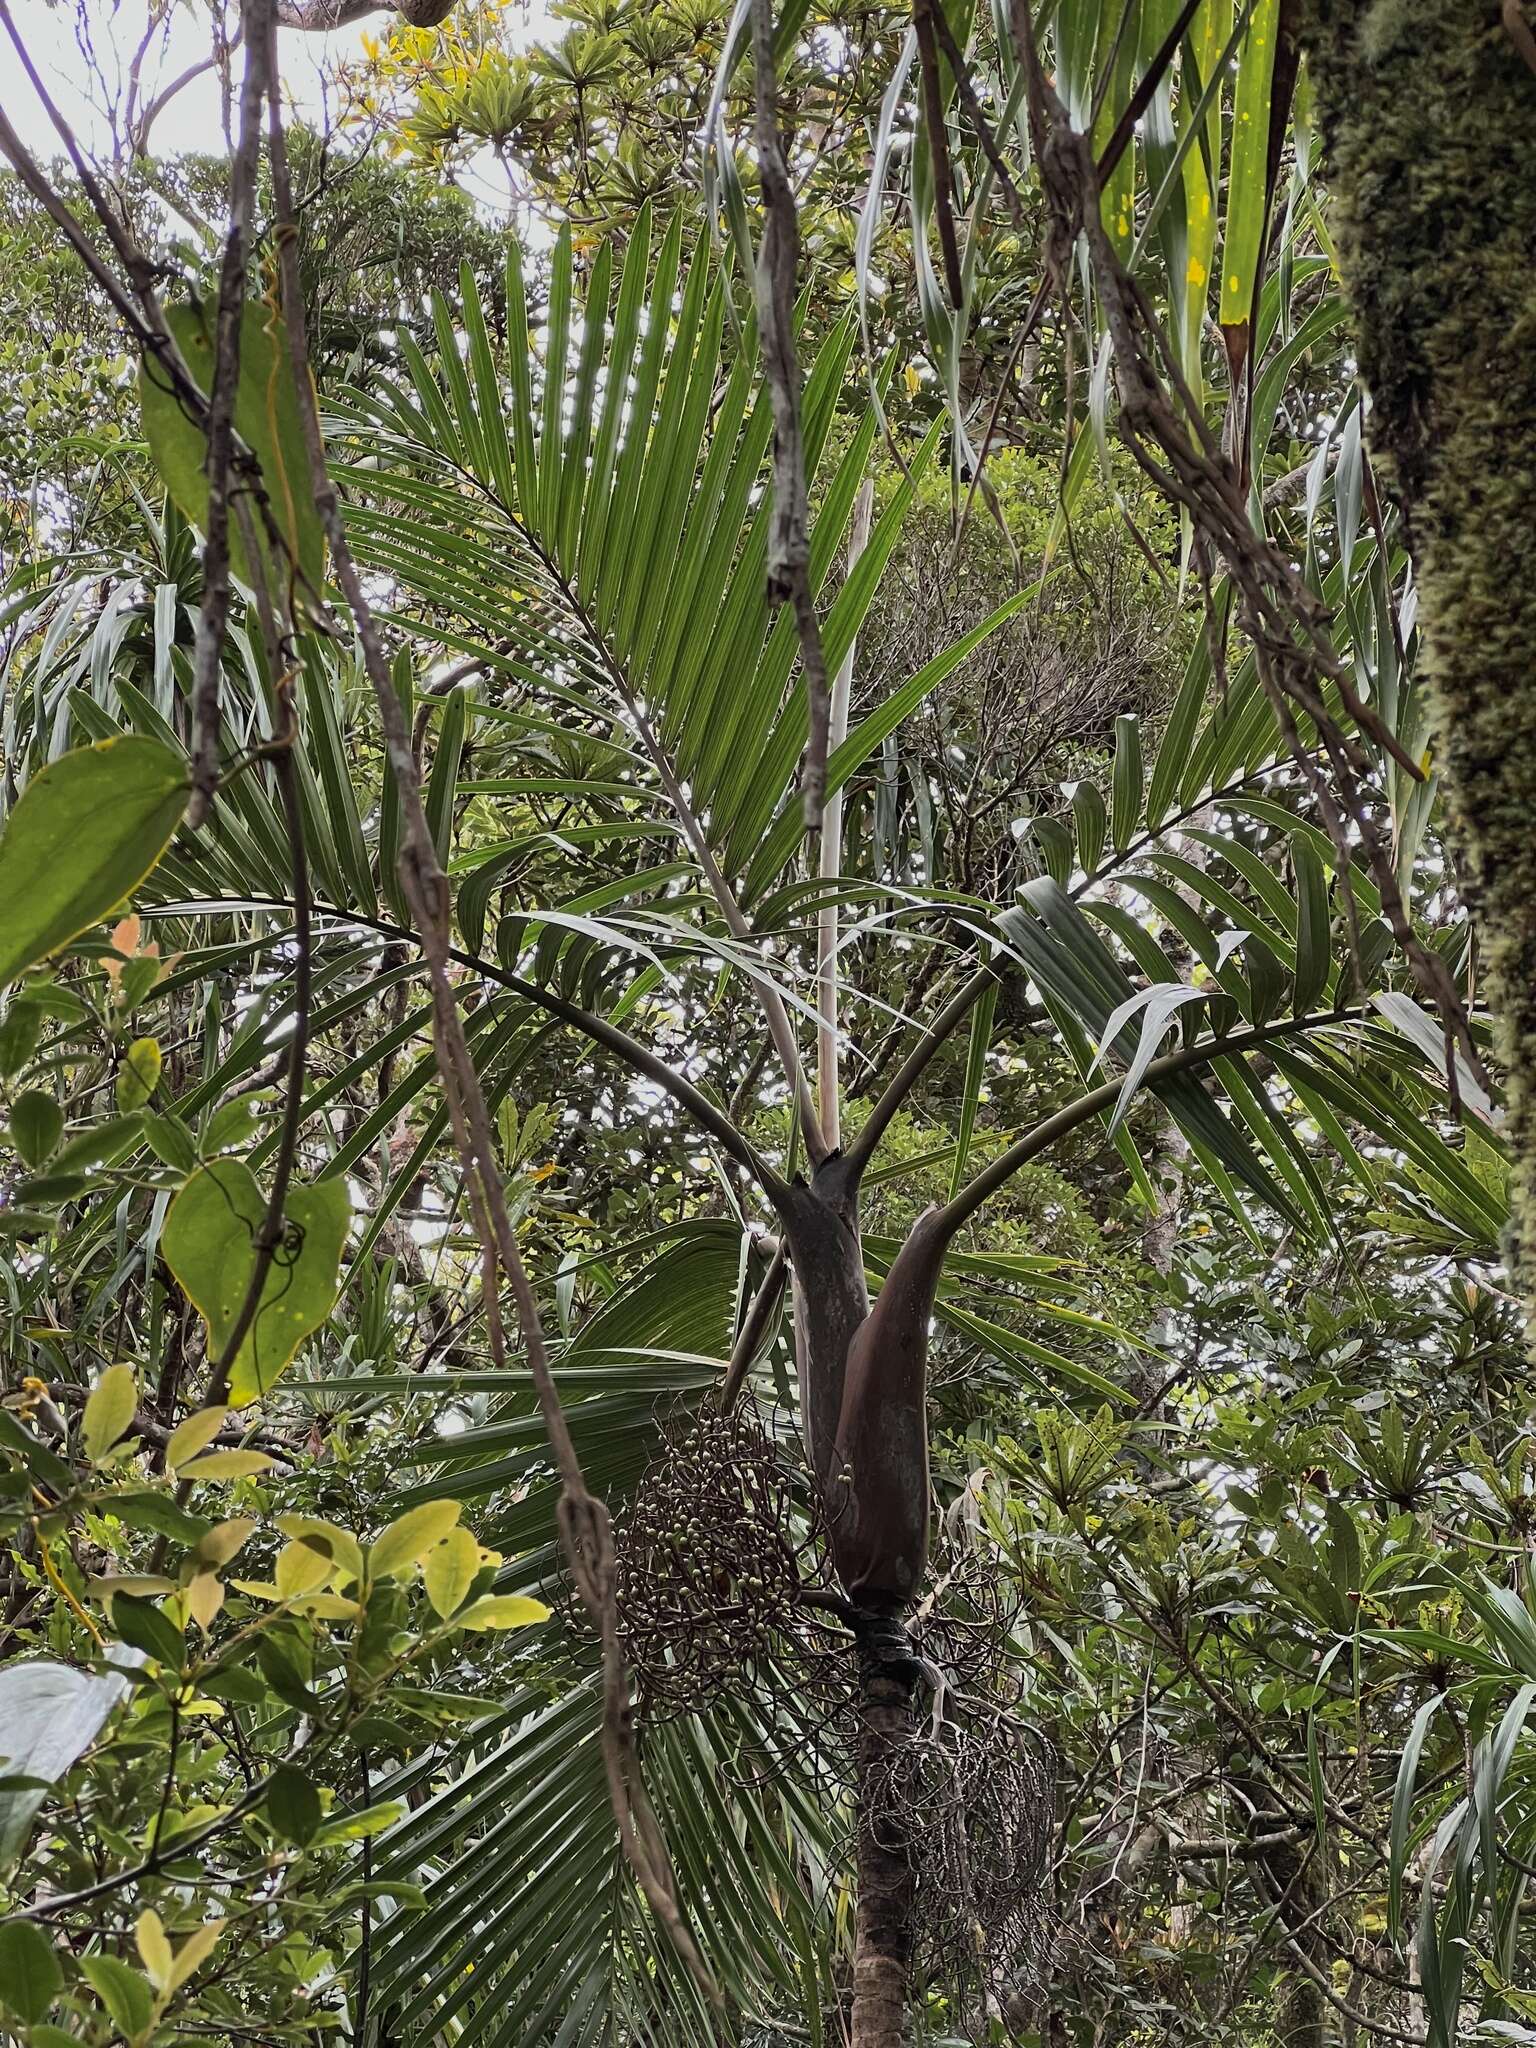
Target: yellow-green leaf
pixel 398 1548
pixel 194 1952
pixel 301 1569
pixel 112 1406
pixel 86 831
pixel 503 1610
pixel 202 1597
pixel 448 1570
pixel 209 1244
pixel 327 1606
pixel 227 1465
pixel 139 1075
pixel 193 1435
pixel 329 1538
pixel 149 1938
pixel 224 1539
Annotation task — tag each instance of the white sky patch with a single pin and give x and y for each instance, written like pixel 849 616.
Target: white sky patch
pixel 86 87
pixel 193 121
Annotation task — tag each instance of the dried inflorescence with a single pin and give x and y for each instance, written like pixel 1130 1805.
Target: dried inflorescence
pixel 971 1797
pixel 709 1562
pixel 724 1587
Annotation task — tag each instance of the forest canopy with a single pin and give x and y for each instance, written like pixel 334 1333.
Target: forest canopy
pixel 767 1003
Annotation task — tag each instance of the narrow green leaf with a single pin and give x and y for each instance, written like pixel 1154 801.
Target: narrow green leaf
pixel 1127 787
pixel 975 1073
pixel 1402 1816
pixel 1243 245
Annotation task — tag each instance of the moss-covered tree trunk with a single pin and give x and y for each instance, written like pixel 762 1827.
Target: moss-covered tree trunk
pixel 1429 124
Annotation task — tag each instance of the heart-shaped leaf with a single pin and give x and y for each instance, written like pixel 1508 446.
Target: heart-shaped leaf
pixel 210 1245
pixel 86 831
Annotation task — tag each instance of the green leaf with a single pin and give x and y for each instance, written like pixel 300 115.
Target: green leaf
pixel 99 1144
pixel 171 1142
pixel 20 1030
pixel 146 1627
pixel 111 1408
pixel 40 1462
pixel 354 1827
pixel 1128 782
pixel 158 1513
pixel 1314 958
pixel 37 1124
pixel 975 1076
pixel 278 1662
pixel 30 1975
pixel 209 1244
pixel 139 1075
pixel 235 1122
pixel 1402 1814
pixel 126 1995
pixel 293 1805
pixel 58 878
pixel 266 420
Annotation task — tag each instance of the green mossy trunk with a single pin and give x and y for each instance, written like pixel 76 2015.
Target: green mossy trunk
pixel 1429 126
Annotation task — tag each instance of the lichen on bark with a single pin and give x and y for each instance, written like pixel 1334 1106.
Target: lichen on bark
pixel 1429 127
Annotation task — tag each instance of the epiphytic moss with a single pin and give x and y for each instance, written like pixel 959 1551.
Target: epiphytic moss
pixel 1429 125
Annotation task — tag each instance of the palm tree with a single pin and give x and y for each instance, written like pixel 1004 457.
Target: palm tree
pixel 573 568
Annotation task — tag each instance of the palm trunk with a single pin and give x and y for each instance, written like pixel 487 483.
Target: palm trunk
pixel 882 1958
pixel 1429 122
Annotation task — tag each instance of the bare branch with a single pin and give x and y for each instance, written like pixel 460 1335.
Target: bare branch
pixel 324 14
